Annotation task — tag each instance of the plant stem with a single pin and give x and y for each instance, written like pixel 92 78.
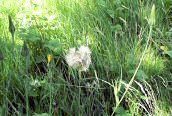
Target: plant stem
pixel 79 99
pixel 50 77
pixel 133 77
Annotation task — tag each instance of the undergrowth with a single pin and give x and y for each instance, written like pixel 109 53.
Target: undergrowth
pixel 130 73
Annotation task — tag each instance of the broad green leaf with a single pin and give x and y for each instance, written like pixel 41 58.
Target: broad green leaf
pixel 54 45
pixel 29 35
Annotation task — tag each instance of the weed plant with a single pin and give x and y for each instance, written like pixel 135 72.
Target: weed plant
pixel 131 53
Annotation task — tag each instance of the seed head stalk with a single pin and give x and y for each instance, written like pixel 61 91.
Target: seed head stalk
pixel 50 65
pixel 79 96
pixel 133 77
pixel 151 22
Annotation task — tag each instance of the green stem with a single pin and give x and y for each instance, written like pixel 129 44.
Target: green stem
pixel 50 77
pixel 133 77
pixel 79 96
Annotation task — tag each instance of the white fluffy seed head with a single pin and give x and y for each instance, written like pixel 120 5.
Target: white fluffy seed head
pixel 85 55
pixel 73 58
pixel 84 52
pixel 79 59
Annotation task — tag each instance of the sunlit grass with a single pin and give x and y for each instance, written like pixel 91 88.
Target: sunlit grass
pixel 116 33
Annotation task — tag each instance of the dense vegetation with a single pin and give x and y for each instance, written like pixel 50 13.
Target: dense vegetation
pixel 131 55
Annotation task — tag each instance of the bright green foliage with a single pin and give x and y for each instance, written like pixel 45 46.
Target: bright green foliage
pixel 118 33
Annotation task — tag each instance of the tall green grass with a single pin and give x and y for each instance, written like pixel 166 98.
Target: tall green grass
pixel 116 32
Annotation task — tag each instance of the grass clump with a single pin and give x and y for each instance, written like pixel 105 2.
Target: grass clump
pixel 129 71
